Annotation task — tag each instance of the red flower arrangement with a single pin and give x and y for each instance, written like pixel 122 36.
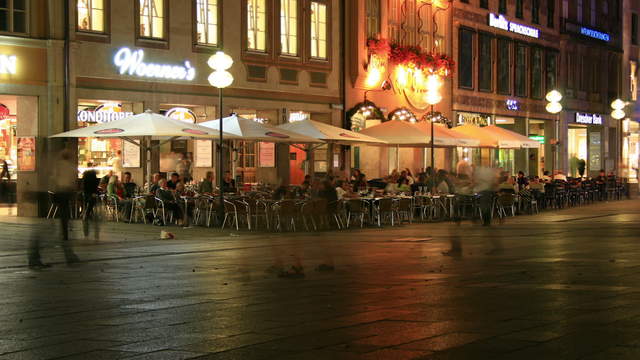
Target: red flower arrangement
pixel 412 56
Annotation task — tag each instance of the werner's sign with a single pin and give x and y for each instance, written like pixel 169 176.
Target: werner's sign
pixel 132 62
pixel 499 21
pixel 588 119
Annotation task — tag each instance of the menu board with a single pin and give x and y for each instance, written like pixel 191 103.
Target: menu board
pixel 204 150
pixel 595 156
pixel 267 154
pixel 26 153
pixel 131 154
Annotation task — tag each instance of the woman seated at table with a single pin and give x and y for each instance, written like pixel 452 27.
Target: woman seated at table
pixel 443 184
pixel 536 184
pixel 206 186
pixel 116 190
pixel 360 184
pixel 403 186
pixel 168 198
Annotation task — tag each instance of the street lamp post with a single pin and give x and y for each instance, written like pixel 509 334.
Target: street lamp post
pixel 220 78
pixel 433 97
pixel 554 107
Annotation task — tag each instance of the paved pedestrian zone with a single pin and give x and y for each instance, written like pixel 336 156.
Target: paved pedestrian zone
pixel 558 285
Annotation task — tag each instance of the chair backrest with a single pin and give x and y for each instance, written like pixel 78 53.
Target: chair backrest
pixel 149 202
pixel 355 205
pixel 385 204
pixel 506 199
pixel 229 206
pixel 287 208
pixel 321 206
pixel 404 204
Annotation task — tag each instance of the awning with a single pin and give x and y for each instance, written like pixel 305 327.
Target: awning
pixel 400 133
pixel 446 137
pixel 329 133
pixel 496 137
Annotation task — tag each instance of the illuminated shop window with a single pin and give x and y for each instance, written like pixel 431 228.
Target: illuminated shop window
pixel 91 15
pixel 256 25
pixel 289 27
pixel 152 19
pixel 318 30
pixel 207 22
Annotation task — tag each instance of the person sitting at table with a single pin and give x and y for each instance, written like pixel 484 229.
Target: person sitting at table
pixel 560 176
pixel 168 198
pixel 173 181
pixel 328 192
pixel 507 185
pixel 155 179
pixel 206 186
pixel 360 184
pixel 306 181
pixel 128 185
pixel 403 186
pixel 104 182
pixel 228 184
pixel 419 185
pixel 536 184
pixel 443 184
pixel 522 181
pixel 115 189
pixel 545 176
pixel 282 191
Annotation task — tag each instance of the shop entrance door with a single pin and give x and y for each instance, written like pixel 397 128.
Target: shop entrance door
pixel 296 165
pixel 578 151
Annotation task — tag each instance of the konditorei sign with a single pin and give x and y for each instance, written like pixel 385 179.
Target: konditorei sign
pixel 131 62
pixel 588 119
pixel 499 21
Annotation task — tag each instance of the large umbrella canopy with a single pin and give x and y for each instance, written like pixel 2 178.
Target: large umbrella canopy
pixel 496 137
pixel 446 137
pixel 329 133
pixel 250 130
pixel 142 125
pixel 401 133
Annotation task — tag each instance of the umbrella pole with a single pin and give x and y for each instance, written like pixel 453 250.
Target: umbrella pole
pixel 398 158
pixel 147 150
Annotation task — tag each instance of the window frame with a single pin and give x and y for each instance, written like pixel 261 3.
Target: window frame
pixel 202 47
pixel 258 57
pixel 300 35
pixel 367 17
pixel 307 26
pixel 27 27
pixel 143 41
pixel 634 28
pixel 551 13
pixel 535 12
pixel 519 9
pixel 490 38
pixel 549 53
pixel 526 69
pixel 483 4
pixel 89 35
pixel 509 43
pixel 541 75
pixel 502 7
pixel 473 34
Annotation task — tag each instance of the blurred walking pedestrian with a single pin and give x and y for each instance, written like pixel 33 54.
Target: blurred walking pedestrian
pixel 90 185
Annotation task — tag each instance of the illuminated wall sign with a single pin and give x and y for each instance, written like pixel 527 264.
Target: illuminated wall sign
pixel 595 34
pixel 103 114
pixel 537 138
pixel 474 119
pixel 512 104
pixel 498 21
pixel 182 114
pixel 131 62
pixel 8 64
pixel 298 116
pixel 588 119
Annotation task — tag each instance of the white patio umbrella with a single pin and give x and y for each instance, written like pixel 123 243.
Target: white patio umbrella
pixel 145 126
pixel 251 130
pixel 329 133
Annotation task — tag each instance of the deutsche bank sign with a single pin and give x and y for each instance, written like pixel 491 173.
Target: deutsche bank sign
pixel 498 21
pixel 588 119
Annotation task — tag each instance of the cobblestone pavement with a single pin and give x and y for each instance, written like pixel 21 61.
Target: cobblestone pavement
pixel 559 285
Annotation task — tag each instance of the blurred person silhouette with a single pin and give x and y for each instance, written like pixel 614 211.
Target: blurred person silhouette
pixel 485 184
pixel 64 185
pixel 90 184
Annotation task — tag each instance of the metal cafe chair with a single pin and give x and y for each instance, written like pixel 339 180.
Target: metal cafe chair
pixel 53 208
pixel 404 210
pixel 504 202
pixel 356 208
pixel 307 211
pixel 111 207
pixel 230 213
pixel 287 211
pixel 384 209
pixel 143 206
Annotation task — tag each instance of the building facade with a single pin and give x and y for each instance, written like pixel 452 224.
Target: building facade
pixel 630 129
pixel 286 67
pixel 32 99
pixel 591 68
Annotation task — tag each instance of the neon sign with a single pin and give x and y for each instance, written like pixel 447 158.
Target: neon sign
pixel 182 114
pixel 589 119
pixel 498 21
pixel 103 114
pixel 8 64
pixel 512 104
pixel 131 62
pixel 595 34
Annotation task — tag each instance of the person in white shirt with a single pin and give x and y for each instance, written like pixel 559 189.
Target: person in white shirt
pixel 560 176
pixel 116 164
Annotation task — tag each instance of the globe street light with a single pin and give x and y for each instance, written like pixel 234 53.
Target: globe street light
pixel 554 107
pixel 618 109
pixel 433 97
pixel 220 78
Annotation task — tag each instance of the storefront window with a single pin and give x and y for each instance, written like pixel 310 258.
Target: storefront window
pixel 631 150
pixel 8 141
pixel 91 15
pixel 256 25
pixel 207 22
pixel 537 156
pixel 577 139
pixel 289 27
pixel 97 153
pixel 318 30
pixel 152 19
